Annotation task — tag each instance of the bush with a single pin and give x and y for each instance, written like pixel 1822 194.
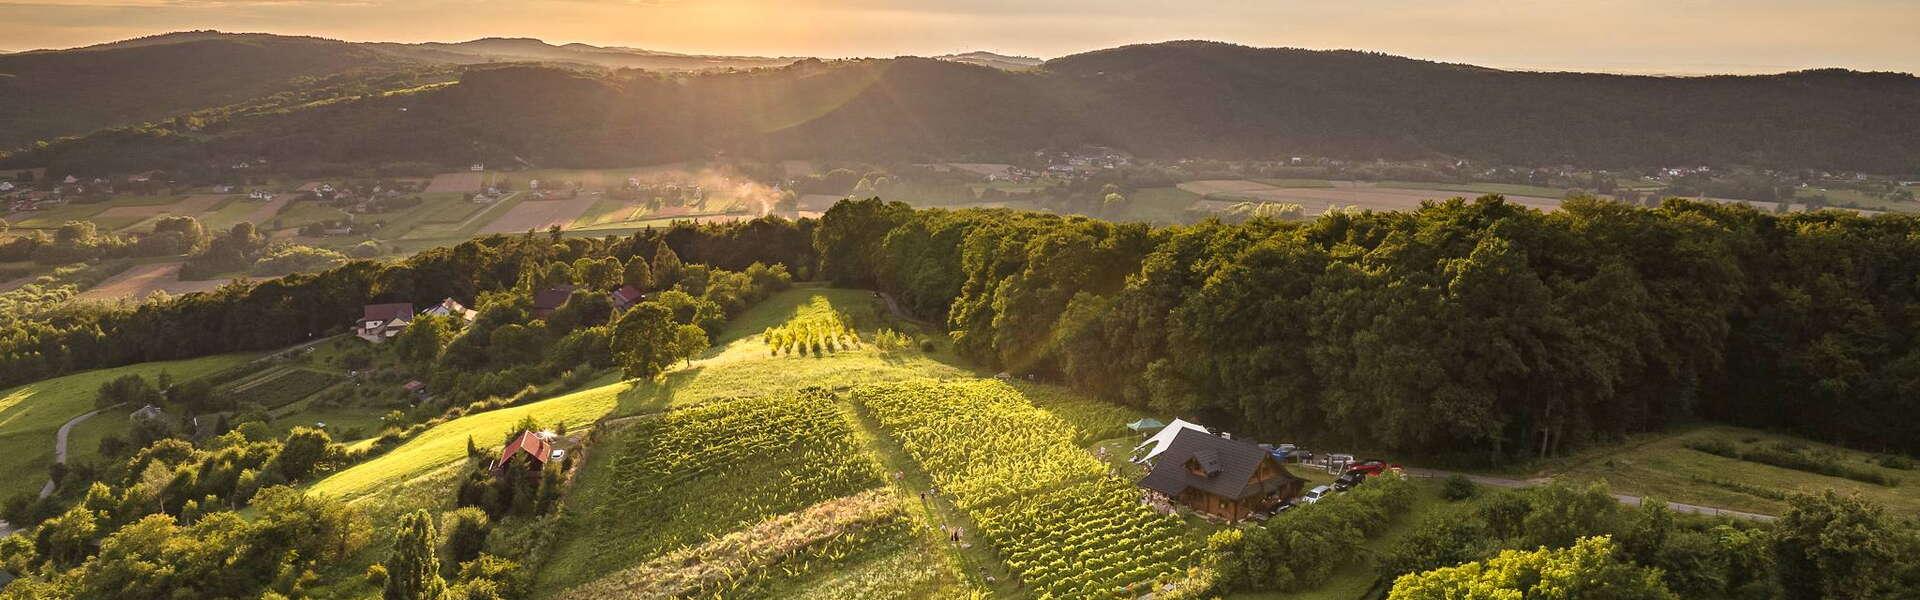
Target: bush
pixel 1716 447
pixel 1300 548
pixel 1458 488
pixel 1894 461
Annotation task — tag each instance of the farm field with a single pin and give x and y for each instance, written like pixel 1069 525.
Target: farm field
pixel 258 213
pixel 296 214
pixel 1317 200
pixel 746 459
pixel 1164 205
pixel 984 169
pixel 140 281
pixel 463 181
pixel 54 217
pixel 29 414
pixel 1507 189
pixel 539 214
pixel 1048 508
pixel 141 208
pixel 278 387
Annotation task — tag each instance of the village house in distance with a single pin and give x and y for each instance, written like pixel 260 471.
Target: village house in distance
pixel 1229 479
pixel 381 322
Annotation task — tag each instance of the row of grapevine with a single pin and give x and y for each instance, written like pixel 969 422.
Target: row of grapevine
pixel 706 469
pixel 1057 516
pixel 817 330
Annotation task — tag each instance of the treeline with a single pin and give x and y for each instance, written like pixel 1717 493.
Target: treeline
pixel 79 241
pixel 1478 328
pixel 306 306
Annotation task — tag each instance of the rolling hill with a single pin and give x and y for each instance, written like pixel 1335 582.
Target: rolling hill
pixel 51 93
pixel 1176 99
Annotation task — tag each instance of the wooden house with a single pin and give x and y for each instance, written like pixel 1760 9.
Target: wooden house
pixel 528 446
pixel 1225 478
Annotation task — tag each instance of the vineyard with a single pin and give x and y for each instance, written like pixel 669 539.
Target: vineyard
pixel 817 330
pixel 743 563
pixel 1052 511
pixel 282 386
pixel 693 473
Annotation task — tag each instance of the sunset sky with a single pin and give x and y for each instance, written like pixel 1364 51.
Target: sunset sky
pixel 1653 36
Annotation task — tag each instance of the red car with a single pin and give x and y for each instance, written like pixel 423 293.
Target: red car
pixel 1372 467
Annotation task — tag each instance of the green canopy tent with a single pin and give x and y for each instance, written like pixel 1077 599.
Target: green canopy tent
pixel 1147 424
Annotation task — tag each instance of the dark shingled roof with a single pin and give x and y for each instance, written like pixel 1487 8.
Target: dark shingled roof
pixel 386 312
pixel 551 298
pixel 1230 465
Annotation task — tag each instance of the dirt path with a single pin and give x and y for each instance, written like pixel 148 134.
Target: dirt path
pixel 60 444
pixel 894 307
pixel 1629 500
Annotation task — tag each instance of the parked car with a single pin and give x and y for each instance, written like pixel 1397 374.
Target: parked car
pixel 1315 494
pixel 1348 480
pixel 1371 467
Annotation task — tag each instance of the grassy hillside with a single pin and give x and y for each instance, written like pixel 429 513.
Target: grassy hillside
pixel 1679 467
pixel 446 444
pixel 31 414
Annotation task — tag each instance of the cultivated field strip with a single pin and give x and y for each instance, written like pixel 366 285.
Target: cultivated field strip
pixel 1054 513
pixel 701 471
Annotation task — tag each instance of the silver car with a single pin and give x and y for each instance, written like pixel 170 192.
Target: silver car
pixel 1315 494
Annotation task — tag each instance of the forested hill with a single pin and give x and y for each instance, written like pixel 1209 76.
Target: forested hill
pixel 49 94
pixel 53 93
pixel 1180 99
pixel 1201 98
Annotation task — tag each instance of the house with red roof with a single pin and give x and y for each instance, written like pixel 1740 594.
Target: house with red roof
pixel 536 449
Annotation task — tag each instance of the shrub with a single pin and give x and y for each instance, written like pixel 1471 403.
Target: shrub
pixel 1894 461
pixel 1716 447
pixel 1458 487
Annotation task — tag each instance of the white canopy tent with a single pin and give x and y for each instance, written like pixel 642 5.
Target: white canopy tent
pixel 1158 443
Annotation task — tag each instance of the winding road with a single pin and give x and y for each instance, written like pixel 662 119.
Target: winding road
pixel 60 444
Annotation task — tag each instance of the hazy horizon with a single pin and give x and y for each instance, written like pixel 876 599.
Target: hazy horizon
pixel 1622 36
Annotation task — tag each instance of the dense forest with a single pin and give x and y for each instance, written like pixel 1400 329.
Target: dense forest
pixel 1471 328
pixel 1179 99
pixel 1467 327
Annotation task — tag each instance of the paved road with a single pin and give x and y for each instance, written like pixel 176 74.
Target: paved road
pixel 60 445
pixel 1628 500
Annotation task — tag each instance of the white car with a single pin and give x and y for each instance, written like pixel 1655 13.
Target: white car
pixel 1315 494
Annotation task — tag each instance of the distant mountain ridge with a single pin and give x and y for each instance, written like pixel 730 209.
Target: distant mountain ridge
pixel 990 59
pixel 1174 99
